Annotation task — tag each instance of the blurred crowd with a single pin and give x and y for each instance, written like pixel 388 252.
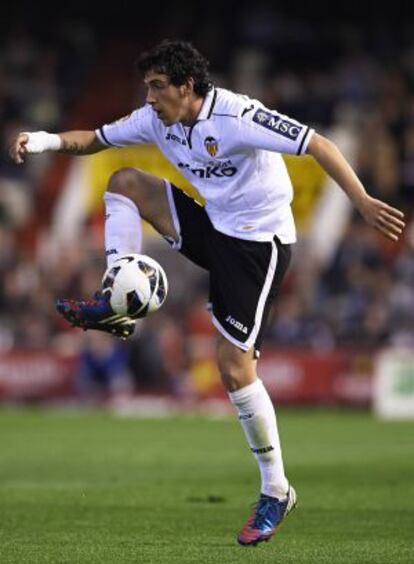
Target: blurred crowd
pixel 363 297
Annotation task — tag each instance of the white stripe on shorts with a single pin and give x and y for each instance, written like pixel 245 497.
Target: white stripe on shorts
pixel 263 296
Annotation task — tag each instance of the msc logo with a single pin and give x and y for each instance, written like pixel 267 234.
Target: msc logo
pixel 260 116
pixel 277 124
pixel 211 145
pixel 237 324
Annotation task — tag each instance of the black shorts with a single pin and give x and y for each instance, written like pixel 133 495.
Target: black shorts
pixel 245 276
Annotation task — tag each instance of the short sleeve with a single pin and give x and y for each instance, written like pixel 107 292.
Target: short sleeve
pixel 262 128
pixel 134 129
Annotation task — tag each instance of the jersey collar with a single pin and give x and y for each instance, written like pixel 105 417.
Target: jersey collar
pixel 208 105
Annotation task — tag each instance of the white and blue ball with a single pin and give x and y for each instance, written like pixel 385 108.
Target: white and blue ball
pixel 137 285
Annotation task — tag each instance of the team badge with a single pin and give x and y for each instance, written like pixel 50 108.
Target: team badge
pixel 211 145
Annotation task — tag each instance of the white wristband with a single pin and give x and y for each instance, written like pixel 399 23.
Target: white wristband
pixel 40 141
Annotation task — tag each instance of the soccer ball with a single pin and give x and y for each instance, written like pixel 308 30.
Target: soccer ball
pixel 137 285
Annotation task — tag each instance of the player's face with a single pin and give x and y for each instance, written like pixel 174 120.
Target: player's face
pixel 170 102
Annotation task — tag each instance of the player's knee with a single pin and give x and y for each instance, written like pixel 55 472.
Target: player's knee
pixel 232 373
pixel 232 381
pixel 129 182
pixel 237 367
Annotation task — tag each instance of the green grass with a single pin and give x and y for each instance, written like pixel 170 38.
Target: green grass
pixel 92 488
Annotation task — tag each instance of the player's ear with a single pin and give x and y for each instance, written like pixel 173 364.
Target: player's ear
pixel 188 87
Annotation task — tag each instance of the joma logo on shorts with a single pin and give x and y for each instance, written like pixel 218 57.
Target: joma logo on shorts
pixel 236 324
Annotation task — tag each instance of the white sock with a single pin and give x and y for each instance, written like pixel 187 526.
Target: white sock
pixel 123 230
pixel 258 419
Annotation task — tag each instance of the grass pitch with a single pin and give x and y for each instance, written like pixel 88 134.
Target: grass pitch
pixel 92 488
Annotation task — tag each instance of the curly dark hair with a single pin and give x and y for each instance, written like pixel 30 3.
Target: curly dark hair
pixel 179 60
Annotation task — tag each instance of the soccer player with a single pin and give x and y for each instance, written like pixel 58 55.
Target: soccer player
pixel 229 146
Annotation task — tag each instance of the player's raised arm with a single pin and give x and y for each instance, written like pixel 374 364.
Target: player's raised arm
pixel 73 142
pixel 377 213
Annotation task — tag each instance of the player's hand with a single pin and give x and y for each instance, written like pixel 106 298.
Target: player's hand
pixel 18 149
pixel 386 219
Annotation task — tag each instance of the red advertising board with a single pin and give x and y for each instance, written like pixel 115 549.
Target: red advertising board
pixel 27 374
pixel 290 375
pixel 301 375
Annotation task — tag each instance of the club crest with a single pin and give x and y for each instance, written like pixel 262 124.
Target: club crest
pixel 211 145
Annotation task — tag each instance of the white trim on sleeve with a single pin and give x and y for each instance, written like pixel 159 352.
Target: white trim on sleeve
pixel 305 141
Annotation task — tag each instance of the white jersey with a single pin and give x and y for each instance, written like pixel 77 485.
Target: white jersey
pixel 232 156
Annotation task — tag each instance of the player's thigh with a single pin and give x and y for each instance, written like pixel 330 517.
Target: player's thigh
pixel 244 278
pixel 149 193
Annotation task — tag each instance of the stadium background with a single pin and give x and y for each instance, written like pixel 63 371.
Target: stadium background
pixel 349 293
pixel 341 335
